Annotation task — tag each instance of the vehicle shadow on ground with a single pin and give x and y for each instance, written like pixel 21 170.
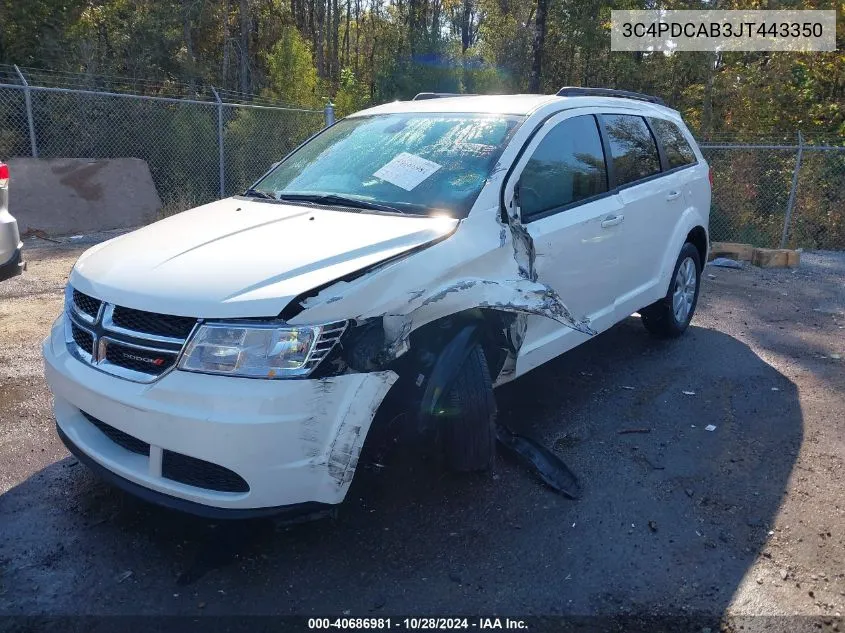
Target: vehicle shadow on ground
pixel 671 518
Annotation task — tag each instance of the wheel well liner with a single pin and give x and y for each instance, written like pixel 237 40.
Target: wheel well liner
pixel 698 238
pixel 439 348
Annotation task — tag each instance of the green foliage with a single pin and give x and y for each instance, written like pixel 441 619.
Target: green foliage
pixel 361 52
pixel 253 140
pixel 291 75
pixel 352 94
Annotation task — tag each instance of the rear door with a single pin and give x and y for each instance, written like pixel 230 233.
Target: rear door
pixel 677 156
pixel 565 206
pixel 648 201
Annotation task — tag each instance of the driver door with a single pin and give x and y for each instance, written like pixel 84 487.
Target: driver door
pixel 576 226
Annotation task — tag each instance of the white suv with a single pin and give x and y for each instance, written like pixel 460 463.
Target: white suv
pixel 230 360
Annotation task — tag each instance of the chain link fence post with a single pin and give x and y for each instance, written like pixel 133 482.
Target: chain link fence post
pixel 329 114
pixel 222 157
pixel 27 95
pixel 791 202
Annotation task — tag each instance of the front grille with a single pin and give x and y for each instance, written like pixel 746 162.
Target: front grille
pixel 153 323
pixel 152 362
pixel 200 473
pixel 83 338
pixel 86 304
pixel 120 438
pixel 133 344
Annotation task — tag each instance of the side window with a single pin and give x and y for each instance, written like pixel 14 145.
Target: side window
pixel 632 147
pixel 567 166
pixel 678 151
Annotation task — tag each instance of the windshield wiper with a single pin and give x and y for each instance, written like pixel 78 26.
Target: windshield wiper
pixel 255 193
pixel 343 201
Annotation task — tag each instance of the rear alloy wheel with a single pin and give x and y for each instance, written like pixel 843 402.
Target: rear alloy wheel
pixel 467 417
pixel 671 316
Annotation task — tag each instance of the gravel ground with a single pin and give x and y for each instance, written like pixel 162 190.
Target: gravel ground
pixel 747 519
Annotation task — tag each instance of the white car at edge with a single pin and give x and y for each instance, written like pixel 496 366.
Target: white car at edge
pixel 229 361
pixel 11 247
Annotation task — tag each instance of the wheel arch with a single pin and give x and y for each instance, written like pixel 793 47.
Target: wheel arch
pixel 698 238
pixel 690 227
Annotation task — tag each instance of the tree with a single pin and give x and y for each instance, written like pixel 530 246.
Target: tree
pixel 539 42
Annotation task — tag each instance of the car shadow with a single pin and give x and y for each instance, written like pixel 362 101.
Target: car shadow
pixel 672 515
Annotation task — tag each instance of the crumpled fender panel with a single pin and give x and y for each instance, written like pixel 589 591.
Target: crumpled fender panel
pixel 477 267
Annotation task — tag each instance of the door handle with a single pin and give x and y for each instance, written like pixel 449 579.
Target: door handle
pixel 673 195
pixel 612 220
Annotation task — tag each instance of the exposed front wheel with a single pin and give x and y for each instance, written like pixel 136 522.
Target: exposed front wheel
pixel 467 417
pixel 670 316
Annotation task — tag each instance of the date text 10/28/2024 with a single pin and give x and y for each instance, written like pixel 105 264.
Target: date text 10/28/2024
pixel 417 623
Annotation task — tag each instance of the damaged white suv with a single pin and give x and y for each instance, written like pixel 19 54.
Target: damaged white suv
pixel 229 361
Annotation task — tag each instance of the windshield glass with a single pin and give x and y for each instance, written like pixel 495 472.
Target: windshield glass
pixel 414 163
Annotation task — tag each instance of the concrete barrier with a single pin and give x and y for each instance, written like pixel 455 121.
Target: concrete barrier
pixel 776 258
pixel 62 196
pixel 762 257
pixel 732 250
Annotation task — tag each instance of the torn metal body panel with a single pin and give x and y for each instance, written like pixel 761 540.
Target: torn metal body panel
pixel 472 269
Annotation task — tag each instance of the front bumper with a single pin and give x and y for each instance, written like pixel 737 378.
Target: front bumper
pixel 15 265
pixel 294 442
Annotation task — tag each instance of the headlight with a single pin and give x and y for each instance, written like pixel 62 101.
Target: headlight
pixel 258 350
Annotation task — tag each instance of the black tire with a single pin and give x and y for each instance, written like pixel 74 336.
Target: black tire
pixel 659 318
pixel 467 417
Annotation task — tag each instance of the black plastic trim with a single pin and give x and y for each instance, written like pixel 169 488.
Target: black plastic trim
pixel 579 91
pixel 661 153
pixel 448 364
pixel 13 267
pixel 424 96
pixel 181 505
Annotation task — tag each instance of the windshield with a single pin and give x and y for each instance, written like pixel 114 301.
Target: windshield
pixel 413 163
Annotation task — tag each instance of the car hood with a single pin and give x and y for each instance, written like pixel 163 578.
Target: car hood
pixel 243 258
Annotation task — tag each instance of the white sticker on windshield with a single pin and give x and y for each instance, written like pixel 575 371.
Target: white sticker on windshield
pixel 407 170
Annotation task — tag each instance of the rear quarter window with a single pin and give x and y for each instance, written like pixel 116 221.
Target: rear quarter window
pixel 675 146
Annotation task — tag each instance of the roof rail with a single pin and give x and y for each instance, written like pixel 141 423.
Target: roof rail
pixel 573 91
pixel 438 95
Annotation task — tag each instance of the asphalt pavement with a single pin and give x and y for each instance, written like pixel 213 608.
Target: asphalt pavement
pixel 745 519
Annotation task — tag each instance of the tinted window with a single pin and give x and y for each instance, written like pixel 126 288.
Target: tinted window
pixel 631 147
pixel 675 146
pixel 567 166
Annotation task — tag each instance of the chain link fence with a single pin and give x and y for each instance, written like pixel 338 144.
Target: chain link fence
pixel 778 195
pixel 197 150
pixel 200 148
